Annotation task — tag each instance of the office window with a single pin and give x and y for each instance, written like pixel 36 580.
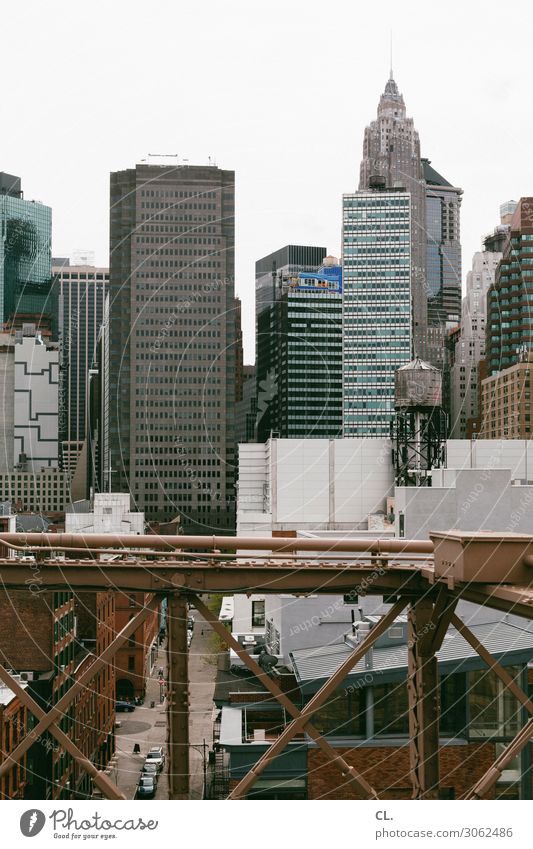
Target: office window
pixel 258 614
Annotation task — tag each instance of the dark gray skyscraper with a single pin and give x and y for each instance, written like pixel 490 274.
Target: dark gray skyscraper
pixel 172 342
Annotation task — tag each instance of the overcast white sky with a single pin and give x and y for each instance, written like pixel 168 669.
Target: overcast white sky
pixel 279 91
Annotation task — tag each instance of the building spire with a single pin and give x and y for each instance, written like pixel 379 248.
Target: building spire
pixel 391 76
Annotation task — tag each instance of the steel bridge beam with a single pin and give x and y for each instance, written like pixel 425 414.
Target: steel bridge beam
pixel 213 577
pixel 423 693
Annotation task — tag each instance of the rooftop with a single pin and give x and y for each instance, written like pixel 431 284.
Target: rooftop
pixel 507 643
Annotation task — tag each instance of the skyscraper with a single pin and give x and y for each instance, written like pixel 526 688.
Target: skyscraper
pixel 377 319
pixel 172 342
pixel 302 394
pixel 82 293
pixel 25 256
pixel 510 299
pixel 273 276
pixel 391 149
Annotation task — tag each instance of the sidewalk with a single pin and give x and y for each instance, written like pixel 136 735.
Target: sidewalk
pixel 202 674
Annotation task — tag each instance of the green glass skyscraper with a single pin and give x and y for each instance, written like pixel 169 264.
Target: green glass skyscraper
pixel 25 256
pixel 377 310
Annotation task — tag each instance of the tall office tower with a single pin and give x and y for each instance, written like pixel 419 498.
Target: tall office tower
pixel 26 287
pixel 443 264
pixel 304 391
pixel 391 149
pixel 172 342
pixel 468 346
pixel 82 293
pixel 377 321
pixel 273 274
pixel 509 327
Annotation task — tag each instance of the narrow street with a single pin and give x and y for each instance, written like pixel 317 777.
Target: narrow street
pixel 147 726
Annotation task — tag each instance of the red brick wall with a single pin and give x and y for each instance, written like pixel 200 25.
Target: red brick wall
pixel 143 638
pixel 26 629
pixel 387 770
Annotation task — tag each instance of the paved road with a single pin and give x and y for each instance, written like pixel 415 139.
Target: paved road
pixel 148 726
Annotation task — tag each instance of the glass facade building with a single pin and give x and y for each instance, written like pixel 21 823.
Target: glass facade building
pixel 510 300
pixel 303 396
pixel 377 306
pixel 25 255
pixel 273 276
pixel 82 294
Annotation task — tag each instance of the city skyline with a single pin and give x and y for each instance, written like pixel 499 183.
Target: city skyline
pixel 486 60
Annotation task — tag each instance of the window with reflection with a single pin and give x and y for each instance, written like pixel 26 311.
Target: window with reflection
pixel 494 711
pixel 344 714
pixel 391 714
pixel 453 705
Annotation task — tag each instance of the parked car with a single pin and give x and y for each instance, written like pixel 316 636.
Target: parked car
pixel 124 706
pixel 146 787
pixel 150 768
pixel 156 756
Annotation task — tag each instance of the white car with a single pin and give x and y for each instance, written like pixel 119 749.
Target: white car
pixel 156 756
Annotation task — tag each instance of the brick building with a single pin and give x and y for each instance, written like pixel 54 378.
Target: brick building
pixel 94 708
pixel 135 660
pixel 506 402
pixel 13 727
pixel 41 641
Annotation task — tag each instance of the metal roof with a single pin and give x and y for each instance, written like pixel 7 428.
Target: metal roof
pixel 508 643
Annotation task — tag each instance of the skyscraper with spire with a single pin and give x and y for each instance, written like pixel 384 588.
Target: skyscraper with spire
pixel 402 266
pixel 391 149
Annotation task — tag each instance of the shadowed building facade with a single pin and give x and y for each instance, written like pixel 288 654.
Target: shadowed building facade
pixel 172 342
